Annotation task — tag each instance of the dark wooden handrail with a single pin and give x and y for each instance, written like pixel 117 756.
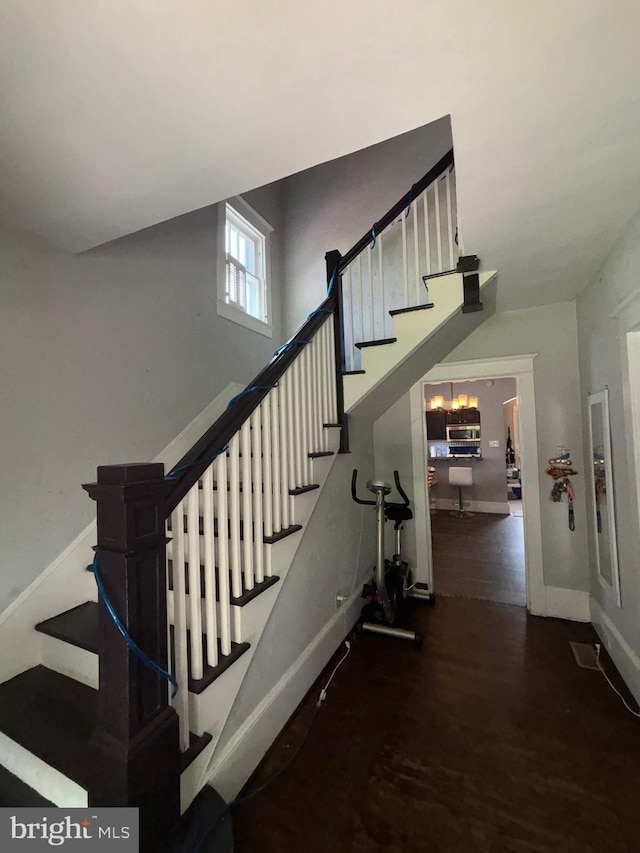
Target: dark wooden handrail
pixel 222 431
pixel 397 208
pixel 197 460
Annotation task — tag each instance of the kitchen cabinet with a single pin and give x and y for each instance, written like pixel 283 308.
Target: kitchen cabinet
pixel 436 425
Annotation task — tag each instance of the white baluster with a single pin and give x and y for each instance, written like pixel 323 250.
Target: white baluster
pixel 284 451
pixel 361 297
pixel 297 420
pixel 315 393
pixel 247 506
pixel 349 302
pixel 381 286
pixel 405 267
pixel 234 516
pixel 333 414
pixel 224 607
pixel 371 300
pixel 275 459
pixel 181 672
pixel 195 613
pixel 308 394
pixel 291 444
pixel 258 545
pixel 265 408
pixel 210 618
pixel 427 233
pixel 324 386
pixel 416 249
pixel 451 246
pixel 438 225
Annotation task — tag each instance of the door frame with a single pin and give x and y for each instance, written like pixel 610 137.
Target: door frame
pixel 521 367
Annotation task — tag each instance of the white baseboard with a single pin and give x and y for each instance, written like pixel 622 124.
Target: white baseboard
pixel 64 583
pixel 236 761
pixel 495 507
pixel 624 657
pixel 570 604
pixel 37 774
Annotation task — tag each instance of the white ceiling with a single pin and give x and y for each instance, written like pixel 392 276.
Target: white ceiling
pixel 117 114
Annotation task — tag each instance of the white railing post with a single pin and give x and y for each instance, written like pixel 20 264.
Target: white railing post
pixel 224 568
pixel 247 505
pixel 211 622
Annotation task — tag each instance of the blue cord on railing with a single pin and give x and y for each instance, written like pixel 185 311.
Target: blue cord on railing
pixel 288 344
pixel 373 234
pixel 181 468
pixel 146 660
pixel 320 311
pixel 250 390
pixel 332 280
pixel 411 192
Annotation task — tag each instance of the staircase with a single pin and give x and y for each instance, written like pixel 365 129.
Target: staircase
pixel 194 560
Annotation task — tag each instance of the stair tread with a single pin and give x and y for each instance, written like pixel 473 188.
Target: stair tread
pixel 438 274
pixel 14 793
pixel 424 307
pixel 246 595
pixel 318 454
pixel 78 626
pixel 380 343
pixel 53 717
pixel 352 372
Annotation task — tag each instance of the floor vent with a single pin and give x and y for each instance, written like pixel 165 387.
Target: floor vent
pixel 585 655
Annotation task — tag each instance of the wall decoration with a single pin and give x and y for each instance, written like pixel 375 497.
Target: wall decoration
pixel 602 494
pixel 560 469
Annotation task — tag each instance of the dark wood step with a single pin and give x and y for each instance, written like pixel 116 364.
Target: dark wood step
pixel 352 372
pixel 196 745
pixel 318 454
pixel 78 626
pixel 301 490
pixel 268 540
pixel 381 343
pixel 424 307
pixel 53 717
pixel 15 794
pixel 438 274
pixel 332 426
pixel 245 597
pixel 211 673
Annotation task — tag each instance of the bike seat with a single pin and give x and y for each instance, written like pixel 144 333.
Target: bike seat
pixel 397 512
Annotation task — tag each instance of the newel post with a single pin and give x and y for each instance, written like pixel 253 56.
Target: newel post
pixel 135 754
pixel 332 260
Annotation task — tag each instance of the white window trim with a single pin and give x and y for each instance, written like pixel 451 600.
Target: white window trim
pixel 224 309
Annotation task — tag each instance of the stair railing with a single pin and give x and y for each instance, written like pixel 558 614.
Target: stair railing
pixel 176 551
pixel 384 270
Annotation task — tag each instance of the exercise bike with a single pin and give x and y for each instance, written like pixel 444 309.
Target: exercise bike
pixel 389 588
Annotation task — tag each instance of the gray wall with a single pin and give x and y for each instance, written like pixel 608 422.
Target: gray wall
pixel 601 365
pixel 489 472
pixel 332 205
pixel 105 358
pixel 550 331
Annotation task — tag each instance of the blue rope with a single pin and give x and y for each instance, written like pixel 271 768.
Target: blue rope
pixel 175 471
pixel 373 234
pixel 408 210
pixel 288 344
pixel 332 280
pixel 250 390
pixel 320 311
pixel 146 660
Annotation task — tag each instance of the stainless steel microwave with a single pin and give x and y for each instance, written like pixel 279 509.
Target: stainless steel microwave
pixel 463 432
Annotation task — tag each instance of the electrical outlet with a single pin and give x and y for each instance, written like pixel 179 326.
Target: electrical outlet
pixel 340 600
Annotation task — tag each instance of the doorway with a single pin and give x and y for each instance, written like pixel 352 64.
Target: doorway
pixel 521 367
pixel 477 528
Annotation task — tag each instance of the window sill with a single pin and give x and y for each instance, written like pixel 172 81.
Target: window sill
pixel 230 313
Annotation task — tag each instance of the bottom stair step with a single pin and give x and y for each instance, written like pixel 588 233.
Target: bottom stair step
pixel 52 716
pixel 15 794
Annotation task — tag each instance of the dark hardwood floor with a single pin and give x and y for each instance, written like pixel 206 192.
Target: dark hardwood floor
pixel 480 557
pixel 490 738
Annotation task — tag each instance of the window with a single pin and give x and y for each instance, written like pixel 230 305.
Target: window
pixel 245 295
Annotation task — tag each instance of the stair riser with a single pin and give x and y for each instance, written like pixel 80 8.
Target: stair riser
pixel 69 660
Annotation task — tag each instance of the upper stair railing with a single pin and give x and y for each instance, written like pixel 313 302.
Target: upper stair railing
pixel 389 266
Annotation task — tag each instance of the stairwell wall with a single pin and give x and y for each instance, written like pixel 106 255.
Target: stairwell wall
pixel 608 309
pixel 332 205
pixel 105 357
